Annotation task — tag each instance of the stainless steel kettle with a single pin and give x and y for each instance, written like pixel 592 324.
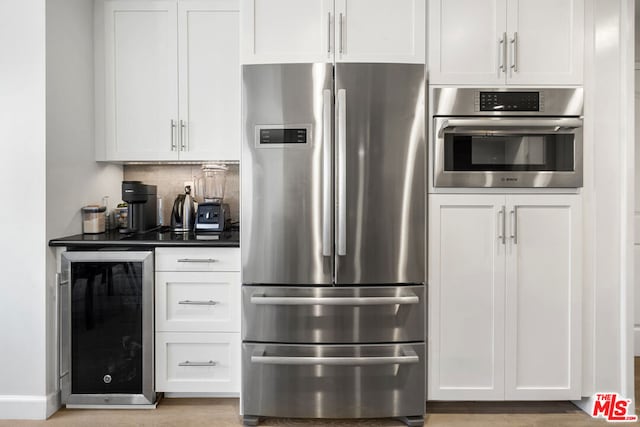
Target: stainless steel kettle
pixel 183 214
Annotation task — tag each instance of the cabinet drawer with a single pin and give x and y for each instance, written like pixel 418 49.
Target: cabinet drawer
pixel 198 259
pixel 198 362
pixel 197 301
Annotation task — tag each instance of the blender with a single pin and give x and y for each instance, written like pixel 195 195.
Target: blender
pixel 213 214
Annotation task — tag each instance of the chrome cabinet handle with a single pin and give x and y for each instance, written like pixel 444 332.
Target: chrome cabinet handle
pixel 328 32
pixel 197 260
pixel 183 140
pixel 342 172
pixel 514 52
pixel 502 226
pixel 350 301
pixel 173 135
pixel 189 302
pixel 514 225
pixel 326 173
pixel 188 363
pixel 502 53
pixel 341 34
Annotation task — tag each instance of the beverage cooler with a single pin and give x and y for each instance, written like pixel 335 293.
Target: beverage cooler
pixel 106 328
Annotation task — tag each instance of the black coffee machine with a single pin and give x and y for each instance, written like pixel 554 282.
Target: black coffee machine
pixel 142 201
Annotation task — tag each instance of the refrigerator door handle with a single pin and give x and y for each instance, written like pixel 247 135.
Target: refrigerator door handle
pixel 260 299
pixel 342 172
pixel 409 356
pixel 327 238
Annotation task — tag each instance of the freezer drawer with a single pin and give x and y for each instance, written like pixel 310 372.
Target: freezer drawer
pixel 333 381
pixel 333 314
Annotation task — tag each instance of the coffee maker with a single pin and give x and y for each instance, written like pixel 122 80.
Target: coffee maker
pixel 213 214
pixel 142 201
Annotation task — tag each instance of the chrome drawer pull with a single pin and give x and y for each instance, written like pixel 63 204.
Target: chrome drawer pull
pixel 187 363
pixel 197 260
pixel 189 302
pixel 264 300
pixel 335 361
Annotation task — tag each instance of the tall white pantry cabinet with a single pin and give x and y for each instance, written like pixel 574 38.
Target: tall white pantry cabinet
pixel 504 297
pixel 168 80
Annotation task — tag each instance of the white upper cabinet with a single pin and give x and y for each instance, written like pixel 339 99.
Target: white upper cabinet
pixel 290 31
pixel 141 80
pixel 168 83
pixel 546 42
pixel 380 31
pixel 209 58
pixel 467 41
pixel 275 31
pixel 519 42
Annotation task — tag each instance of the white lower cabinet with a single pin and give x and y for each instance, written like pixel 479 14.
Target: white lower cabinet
pixel 197 320
pixel 193 362
pixel 504 297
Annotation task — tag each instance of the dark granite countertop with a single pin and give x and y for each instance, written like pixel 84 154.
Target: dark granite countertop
pixel 158 238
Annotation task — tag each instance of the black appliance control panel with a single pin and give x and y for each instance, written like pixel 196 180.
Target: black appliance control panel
pixel 509 101
pixel 282 135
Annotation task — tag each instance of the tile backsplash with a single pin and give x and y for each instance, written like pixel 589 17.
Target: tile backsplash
pixel 170 181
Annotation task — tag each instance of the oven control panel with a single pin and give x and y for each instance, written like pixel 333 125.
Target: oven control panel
pixel 509 101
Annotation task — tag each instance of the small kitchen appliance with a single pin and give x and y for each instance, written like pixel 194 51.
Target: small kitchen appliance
pixel 183 212
pixel 142 202
pixel 213 214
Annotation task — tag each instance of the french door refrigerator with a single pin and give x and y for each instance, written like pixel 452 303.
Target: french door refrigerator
pixel 333 241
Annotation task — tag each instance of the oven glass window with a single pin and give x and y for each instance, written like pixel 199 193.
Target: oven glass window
pixel 496 152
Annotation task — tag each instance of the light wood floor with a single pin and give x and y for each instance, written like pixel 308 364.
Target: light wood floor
pixel 224 412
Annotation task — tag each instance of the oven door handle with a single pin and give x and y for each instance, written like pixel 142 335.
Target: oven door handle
pixel 485 124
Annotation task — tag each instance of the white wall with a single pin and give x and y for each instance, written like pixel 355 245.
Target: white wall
pixel 608 197
pixel 74 178
pixel 22 188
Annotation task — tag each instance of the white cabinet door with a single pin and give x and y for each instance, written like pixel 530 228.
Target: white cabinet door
pixel 543 311
pixel 286 31
pixel 380 31
pixel 466 297
pixel 209 52
pixel 545 41
pixel 466 41
pixel 141 80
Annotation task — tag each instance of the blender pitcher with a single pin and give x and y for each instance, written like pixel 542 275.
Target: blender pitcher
pixel 214 178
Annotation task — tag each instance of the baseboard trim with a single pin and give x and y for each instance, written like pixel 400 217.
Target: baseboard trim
pixel 586 404
pixel 23 407
pixel 53 403
pixel 636 337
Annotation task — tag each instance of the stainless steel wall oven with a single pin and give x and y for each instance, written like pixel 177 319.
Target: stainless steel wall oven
pixel 507 137
pixel 106 328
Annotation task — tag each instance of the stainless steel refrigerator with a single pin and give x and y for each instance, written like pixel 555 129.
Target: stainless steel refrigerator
pixel 333 241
